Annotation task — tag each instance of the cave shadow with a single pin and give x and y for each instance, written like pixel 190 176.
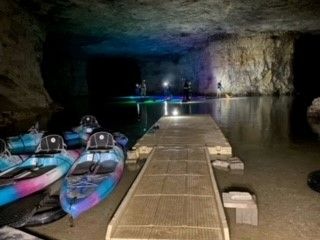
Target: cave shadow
pixel 306 67
pixel 111 77
pixel 306 70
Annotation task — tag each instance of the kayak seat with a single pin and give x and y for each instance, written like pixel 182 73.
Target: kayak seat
pixel 90 167
pixel 82 168
pixel 106 167
pixel 89 121
pixel 50 144
pixel 100 141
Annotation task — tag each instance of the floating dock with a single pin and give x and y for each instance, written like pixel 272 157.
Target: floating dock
pixel 175 196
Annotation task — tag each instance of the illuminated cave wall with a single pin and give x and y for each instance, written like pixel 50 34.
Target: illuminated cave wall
pixel 259 65
pixel 253 65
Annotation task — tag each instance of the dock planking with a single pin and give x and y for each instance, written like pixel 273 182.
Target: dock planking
pixel 175 196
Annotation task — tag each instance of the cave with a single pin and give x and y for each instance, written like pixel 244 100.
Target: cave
pixel 252 66
pixel 105 77
pixel 306 65
pixel 247 57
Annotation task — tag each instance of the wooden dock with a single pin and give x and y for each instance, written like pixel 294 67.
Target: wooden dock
pixel 175 196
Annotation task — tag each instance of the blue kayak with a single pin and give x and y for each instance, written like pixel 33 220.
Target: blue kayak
pixel 94 176
pixel 49 163
pixel 80 134
pixel 25 143
pixel 6 159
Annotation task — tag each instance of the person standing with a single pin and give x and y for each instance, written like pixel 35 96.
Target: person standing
pixel 185 91
pixel 143 88
pixel 189 91
pixel 166 90
pixel 219 89
pixel 137 89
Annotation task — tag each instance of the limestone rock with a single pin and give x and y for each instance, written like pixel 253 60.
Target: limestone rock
pixel 21 39
pixel 252 65
pixel 259 65
pixel 153 27
pixel 314 109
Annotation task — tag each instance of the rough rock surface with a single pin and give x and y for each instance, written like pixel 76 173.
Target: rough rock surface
pixel 252 65
pixel 153 27
pixel 21 41
pixel 204 41
pixel 314 109
pixel 245 66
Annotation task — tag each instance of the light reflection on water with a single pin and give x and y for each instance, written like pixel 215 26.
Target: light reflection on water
pixel 256 120
pixel 259 120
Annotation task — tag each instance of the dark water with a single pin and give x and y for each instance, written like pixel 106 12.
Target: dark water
pixel 267 120
pixel 257 119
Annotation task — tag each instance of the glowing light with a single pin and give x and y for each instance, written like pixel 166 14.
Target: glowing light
pixel 138 108
pixel 165 108
pixel 175 112
pixel 165 84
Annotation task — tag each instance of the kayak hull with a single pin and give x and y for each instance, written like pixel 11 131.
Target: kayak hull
pixel 23 183
pixel 77 194
pixel 26 143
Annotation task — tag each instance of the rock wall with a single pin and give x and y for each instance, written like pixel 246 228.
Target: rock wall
pixel 252 65
pixel 21 39
pixel 258 65
pixel 174 70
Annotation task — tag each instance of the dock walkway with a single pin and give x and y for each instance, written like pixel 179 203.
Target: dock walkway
pixel 175 196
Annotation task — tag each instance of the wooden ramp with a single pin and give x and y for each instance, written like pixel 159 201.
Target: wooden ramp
pixel 175 195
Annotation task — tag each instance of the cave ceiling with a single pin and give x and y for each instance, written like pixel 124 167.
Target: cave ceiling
pixel 155 27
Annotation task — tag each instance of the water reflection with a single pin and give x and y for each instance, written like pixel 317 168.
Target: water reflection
pixel 257 120
pixel 165 108
pixel 315 126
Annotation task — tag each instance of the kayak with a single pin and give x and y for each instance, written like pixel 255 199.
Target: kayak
pixel 6 159
pixel 120 139
pixel 80 134
pixel 93 176
pixel 25 143
pixel 49 163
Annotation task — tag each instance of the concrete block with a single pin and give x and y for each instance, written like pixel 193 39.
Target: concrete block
pixel 247 215
pixel 220 164
pixel 245 205
pixel 220 150
pixel 236 164
pixel 240 196
pixel 144 152
pixel 132 156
